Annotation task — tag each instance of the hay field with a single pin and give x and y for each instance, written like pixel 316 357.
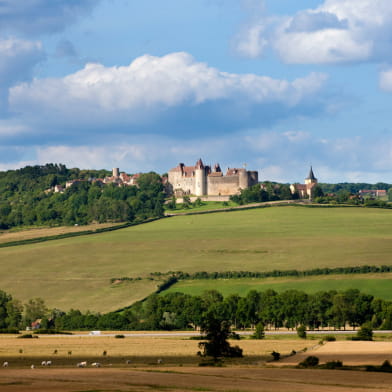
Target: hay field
pixel 379 285
pixel 354 353
pixel 140 350
pixel 76 272
pixel 37 232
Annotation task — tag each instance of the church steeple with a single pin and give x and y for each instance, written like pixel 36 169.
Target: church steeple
pixel 311 176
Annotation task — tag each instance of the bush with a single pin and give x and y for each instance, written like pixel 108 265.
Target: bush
pixel 365 332
pixel 10 330
pixel 333 365
pixel 301 331
pixel 310 361
pixel 259 333
pixel 119 336
pixel 27 336
pixel 329 338
pixel 275 355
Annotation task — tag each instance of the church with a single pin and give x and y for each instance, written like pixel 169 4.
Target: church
pixel 305 190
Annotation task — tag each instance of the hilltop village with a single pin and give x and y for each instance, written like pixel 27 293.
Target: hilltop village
pixel 209 182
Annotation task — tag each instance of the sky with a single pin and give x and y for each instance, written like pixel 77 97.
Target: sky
pixel 276 85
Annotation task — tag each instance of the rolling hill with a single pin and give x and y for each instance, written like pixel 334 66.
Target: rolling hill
pixel 76 272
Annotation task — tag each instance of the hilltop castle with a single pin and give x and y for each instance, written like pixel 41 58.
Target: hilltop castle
pixel 201 180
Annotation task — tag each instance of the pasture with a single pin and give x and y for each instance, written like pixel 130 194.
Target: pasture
pixel 378 285
pixel 76 272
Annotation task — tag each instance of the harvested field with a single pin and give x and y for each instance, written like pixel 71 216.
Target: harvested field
pixel 140 350
pixel 191 379
pixel 38 232
pixel 349 352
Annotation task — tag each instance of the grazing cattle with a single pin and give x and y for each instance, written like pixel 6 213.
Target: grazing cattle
pixel 5 364
pixel 159 361
pixel 128 362
pixel 43 363
pixel 48 363
pixel 32 367
pixel 82 364
pixel 96 364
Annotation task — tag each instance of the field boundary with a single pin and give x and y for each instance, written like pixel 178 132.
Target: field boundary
pixel 36 240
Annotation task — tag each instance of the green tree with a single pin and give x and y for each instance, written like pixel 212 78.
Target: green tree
pixel 365 332
pixel 34 309
pixel 217 331
pixel 259 332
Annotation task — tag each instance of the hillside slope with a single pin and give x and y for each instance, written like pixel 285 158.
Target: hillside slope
pixel 76 272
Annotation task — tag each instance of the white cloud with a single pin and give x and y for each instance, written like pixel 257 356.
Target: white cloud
pixel 386 80
pixel 17 61
pixel 149 86
pixel 338 31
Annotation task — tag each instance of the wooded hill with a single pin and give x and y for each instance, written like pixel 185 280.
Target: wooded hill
pixel 24 202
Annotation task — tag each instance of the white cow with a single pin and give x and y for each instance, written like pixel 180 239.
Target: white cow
pixel 5 364
pixel 82 364
pixel 32 367
pixel 96 364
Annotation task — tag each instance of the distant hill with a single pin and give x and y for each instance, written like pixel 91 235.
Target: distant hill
pixel 27 197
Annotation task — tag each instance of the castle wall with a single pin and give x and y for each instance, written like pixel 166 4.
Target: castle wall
pixel 187 184
pixel 227 185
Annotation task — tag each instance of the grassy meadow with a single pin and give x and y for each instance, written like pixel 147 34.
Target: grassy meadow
pixel 76 272
pixel 379 285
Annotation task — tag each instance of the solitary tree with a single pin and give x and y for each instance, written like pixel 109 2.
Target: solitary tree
pixel 217 331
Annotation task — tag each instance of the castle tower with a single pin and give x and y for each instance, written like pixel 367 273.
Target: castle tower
pixel 243 178
pixel 200 179
pixel 310 182
pixel 115 172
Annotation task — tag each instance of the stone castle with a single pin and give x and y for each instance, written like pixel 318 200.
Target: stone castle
pixel 201 180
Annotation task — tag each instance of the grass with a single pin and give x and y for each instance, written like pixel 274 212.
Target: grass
pixel 76 272
pixel 379 285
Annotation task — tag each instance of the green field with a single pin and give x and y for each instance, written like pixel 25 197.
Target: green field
pixel 76 272
pixel 379 285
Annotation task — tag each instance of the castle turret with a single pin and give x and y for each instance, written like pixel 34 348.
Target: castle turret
pixel 116 172
pixel 200 179
pixel 243 178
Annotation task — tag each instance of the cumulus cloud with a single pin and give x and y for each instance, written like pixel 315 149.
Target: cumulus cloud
pixel 17 61
pixel 41 16
pixel 174 87
pixel 386 80
pixel 338 31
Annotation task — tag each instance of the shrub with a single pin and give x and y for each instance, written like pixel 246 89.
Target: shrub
pixel 27 336
pixel 329 338
pixel 275 355
pixel 259 333
pixel 310 361
pixel 301 331
pixel 119 336
pixel 365 332
pixel 333 365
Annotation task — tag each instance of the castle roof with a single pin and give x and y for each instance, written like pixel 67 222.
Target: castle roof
pixel 199 164
pixel 311 175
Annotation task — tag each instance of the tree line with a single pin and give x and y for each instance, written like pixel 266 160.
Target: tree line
pixel 288 309
pixel 24 202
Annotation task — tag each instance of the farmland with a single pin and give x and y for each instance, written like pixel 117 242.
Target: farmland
pixel 76 272
pixel 179 370
pixel 379 285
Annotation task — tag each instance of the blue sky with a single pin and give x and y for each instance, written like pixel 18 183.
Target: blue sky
pixel 276 84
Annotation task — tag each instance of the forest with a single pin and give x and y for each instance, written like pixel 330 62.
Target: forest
pixel 289 309
pixel 24 202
